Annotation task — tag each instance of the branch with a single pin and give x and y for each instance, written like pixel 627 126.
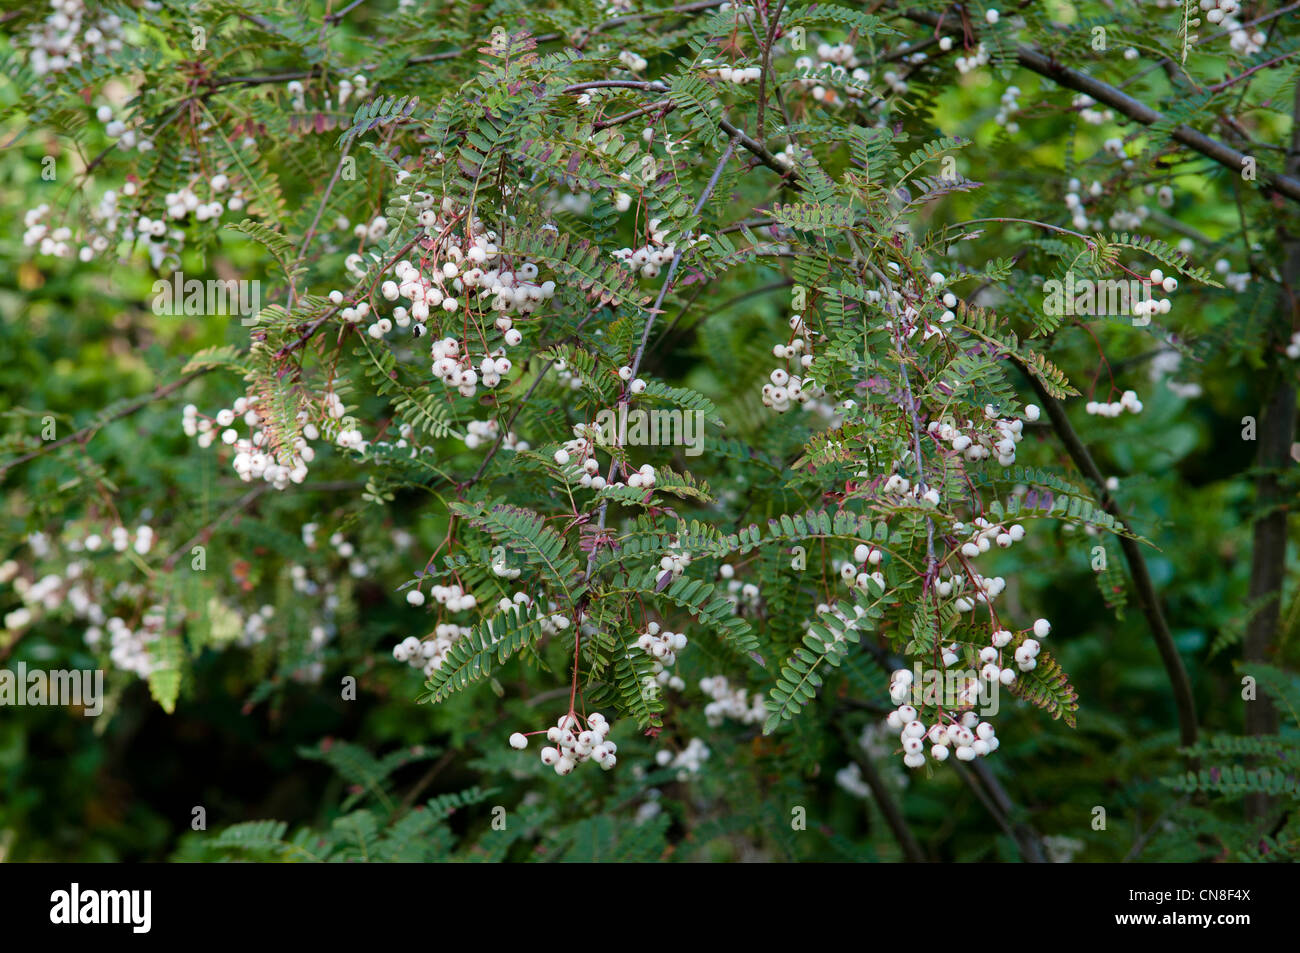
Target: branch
pixel 1174 670
pixel 889 810
pixel 650 320
pixel 1286 184
pixel 1027 839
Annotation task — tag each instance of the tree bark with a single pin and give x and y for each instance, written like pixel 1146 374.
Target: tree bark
pixel 1275 433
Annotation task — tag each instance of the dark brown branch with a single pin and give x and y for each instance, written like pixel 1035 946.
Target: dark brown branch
pixel 1146 591
pixel 890 812
pixel 1287 184
pixel 1027 839
pixel 1276 432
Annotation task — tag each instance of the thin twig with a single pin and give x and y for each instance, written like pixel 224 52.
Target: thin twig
pixel 650 319
pixel 889 811
pixel 84 434
pixel 206 532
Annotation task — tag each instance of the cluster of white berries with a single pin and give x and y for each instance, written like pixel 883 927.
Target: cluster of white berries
pixel 1244 42
pixel 429 654
pixel 480 433
pixel 578 459
pixel 800 347
pixel 966 736
pixel 973 60
pixel 120 538
pixel 650 257
pixel 577 455
pixel 786 387
pixel 1216 10
pixel 1235 281
pixel 1010 104
pixel 740 75
pixel 349 438
pixel 644 479
pixel 85 595
pixel 675 563
pixel 1027 652
pixel 453 266
pixel 70 36
pixel 574 744
pixel 454 597
pixel 565 375
pixel 46 592
pixel 551 621
pixel 103 225
pixel 854 573
pixel 54 242
pixel 358 85
pixel 587 472
pixel 982 532
pixel 733 703
pixel 358 568
pixel 633 61
pixel 663 646
pixel 976 442
pixel 1076 199
pixel 1167 283
pixel 182 203
pixel 838 61
pixel 371 231
pixel 116 129
pixel 1128 401
pixel 129 648
pixel 739 594
pixel 259 455
pixel 1093 117
pixel 456 369
pixel 969 589
pixel 686 762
